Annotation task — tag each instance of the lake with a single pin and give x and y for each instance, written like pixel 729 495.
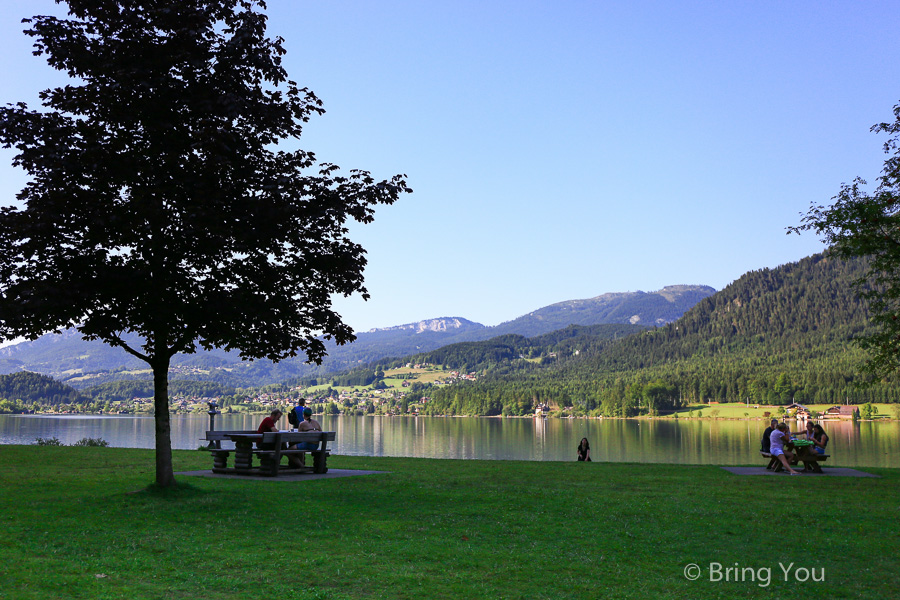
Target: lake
pixel 690 441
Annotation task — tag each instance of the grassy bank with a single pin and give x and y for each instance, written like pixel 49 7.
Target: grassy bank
pixel 738 410
pixel 81 523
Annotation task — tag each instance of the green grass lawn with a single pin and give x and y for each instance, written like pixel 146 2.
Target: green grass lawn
pixel 82 523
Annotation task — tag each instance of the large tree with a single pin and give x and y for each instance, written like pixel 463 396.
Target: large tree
pixel 863 223
pixel 158 203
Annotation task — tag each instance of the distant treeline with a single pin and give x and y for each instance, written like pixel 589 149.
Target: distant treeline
pixel 25 389
pixel 119 391
pixel 28 388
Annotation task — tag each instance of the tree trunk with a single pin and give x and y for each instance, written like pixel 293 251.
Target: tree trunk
pixel 165 476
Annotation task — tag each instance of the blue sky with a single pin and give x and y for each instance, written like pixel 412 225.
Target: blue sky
pixel 561 150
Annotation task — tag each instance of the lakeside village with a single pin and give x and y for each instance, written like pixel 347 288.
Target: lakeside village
pixel 392 394
pixel 399 392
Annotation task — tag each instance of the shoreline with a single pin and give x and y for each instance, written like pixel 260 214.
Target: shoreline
pixel 884 419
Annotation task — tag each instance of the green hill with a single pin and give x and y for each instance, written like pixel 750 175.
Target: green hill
pixel 25 388
pixel 488 354
pixel 772 336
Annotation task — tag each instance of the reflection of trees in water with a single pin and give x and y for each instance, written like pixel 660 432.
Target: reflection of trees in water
pixel 684 441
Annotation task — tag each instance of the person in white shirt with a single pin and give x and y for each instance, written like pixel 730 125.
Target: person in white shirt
pixel 776 446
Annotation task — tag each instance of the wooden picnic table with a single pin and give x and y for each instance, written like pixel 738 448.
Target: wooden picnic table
pixel 274 447
pixel 804 452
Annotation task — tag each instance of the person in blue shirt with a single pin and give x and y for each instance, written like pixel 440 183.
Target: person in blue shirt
pixel 295 417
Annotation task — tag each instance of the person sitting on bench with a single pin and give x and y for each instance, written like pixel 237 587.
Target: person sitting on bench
pixel 764 445
pixel 810 432
pixel 820 439
pixel 308 424
pixel 776 446
pixel 270 424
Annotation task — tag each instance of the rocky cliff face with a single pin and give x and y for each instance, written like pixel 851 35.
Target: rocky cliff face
pixel 443 325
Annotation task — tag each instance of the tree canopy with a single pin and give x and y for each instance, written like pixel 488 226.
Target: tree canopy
pixel 158 202
pixel 867 224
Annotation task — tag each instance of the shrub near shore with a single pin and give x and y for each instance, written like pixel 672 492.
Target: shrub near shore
pixel 80 523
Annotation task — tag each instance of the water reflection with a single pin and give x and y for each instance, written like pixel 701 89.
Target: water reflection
pixel 683 441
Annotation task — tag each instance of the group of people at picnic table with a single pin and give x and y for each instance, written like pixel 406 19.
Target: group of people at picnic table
pixel 778 436
pixel 773 442
pixel 307 423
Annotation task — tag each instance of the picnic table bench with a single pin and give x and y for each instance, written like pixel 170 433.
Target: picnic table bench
pixel 269 458
pixel 805 454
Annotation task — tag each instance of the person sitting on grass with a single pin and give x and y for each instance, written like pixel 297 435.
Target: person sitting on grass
pixel 308 424
pixel 776 447
pixel 584 450
pixel 268 424
pixel 820 439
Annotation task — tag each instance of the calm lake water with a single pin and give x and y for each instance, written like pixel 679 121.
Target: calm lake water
pixel 685 441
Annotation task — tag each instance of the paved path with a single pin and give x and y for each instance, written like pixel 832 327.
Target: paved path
pixel 826 471
pixel 331 474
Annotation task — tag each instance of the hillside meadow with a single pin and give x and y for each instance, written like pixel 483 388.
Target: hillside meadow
pixel 82 523
pixel 740 410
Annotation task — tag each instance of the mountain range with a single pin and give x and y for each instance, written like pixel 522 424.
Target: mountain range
pixel 81 364
pixel 773 336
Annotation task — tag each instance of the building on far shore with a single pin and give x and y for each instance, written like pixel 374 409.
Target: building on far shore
pixel 798 411
pixel 842 412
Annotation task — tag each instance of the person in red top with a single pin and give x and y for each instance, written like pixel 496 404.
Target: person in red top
pixel 270 423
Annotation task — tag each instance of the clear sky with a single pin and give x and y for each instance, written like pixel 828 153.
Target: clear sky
pixel 564 149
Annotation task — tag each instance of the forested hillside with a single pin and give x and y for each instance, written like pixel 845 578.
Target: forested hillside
pixel 124 391
pixel 490 354
pixel 639 308
pixel 24 389
pixel 773 336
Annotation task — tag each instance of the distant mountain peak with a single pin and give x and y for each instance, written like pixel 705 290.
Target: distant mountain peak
pixel 441 324
pixel 673 292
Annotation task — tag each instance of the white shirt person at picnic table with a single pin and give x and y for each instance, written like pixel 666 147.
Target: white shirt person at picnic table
pixel 779 437
pixel 308 424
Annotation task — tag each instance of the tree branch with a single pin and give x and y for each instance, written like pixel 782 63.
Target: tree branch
pixel 118 341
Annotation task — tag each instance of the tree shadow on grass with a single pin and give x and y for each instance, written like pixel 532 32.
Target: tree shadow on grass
pixel 180 491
